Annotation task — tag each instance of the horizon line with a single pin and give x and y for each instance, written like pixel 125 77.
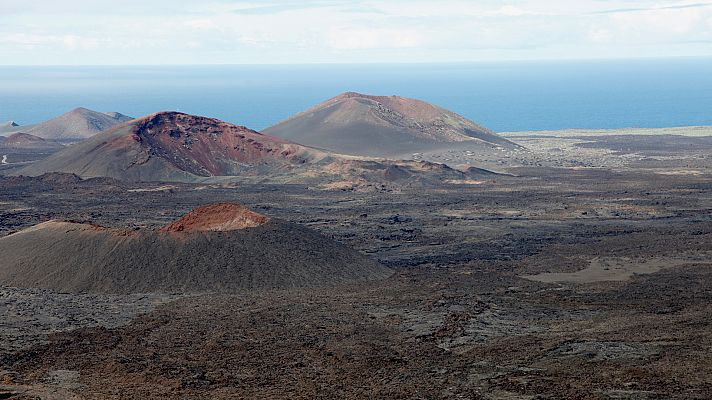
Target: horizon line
pixel 336 63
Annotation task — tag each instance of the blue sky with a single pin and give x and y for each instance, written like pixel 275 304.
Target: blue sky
pixel 346 31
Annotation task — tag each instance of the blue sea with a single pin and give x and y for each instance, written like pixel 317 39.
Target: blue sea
pixel 510 96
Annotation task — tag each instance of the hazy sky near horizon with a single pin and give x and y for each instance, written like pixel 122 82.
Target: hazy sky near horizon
pixel 51 32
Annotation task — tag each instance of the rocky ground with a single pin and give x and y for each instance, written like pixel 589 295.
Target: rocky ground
pixel 554 283
pixel 680 151
pixel 29 315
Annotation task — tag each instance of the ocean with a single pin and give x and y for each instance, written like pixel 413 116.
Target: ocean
pixel 511 96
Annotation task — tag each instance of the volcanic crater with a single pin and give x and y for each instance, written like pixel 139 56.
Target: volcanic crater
pixel 217 247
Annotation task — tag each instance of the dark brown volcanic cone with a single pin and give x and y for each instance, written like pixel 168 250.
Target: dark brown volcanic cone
pixel 219 247
pixel 382 126
pixel 171 146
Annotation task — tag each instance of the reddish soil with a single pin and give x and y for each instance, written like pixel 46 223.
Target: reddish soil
pixel 206 146
pixel 413 108
pixel 217 217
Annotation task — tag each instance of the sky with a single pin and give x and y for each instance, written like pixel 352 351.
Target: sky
pixel 143 32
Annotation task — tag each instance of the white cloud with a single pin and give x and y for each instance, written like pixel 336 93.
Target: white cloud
pixel 657 26
pixel 74 42
pixel 661 22
pixel 273 31
pixel 600 35
pixel 32 41
pixel 509 11
pixel 203 23
pixel 382 38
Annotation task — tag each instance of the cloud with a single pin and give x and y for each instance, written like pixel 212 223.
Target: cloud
pixel 33 41
pixel 600 35
pixel 74 42
pixel 673 7
pixel 278 31
pixel 203 23
pixel 285 6
pixel 509 11
pixel 662 24
pixel 382 38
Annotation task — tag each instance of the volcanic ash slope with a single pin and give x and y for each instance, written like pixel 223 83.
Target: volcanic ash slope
pixel 217 247
pixel 25 141
pixel 383 126
pixel 80 123
pixel 171 146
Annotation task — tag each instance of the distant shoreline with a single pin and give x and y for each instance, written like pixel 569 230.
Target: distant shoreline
pixel 691 131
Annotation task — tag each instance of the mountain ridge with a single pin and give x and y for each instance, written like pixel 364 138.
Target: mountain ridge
pixel 172 146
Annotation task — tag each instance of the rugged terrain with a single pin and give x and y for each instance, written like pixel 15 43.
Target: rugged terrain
pixel 585 274
pixel 176 147
pixel 681 150
pixel 383 126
